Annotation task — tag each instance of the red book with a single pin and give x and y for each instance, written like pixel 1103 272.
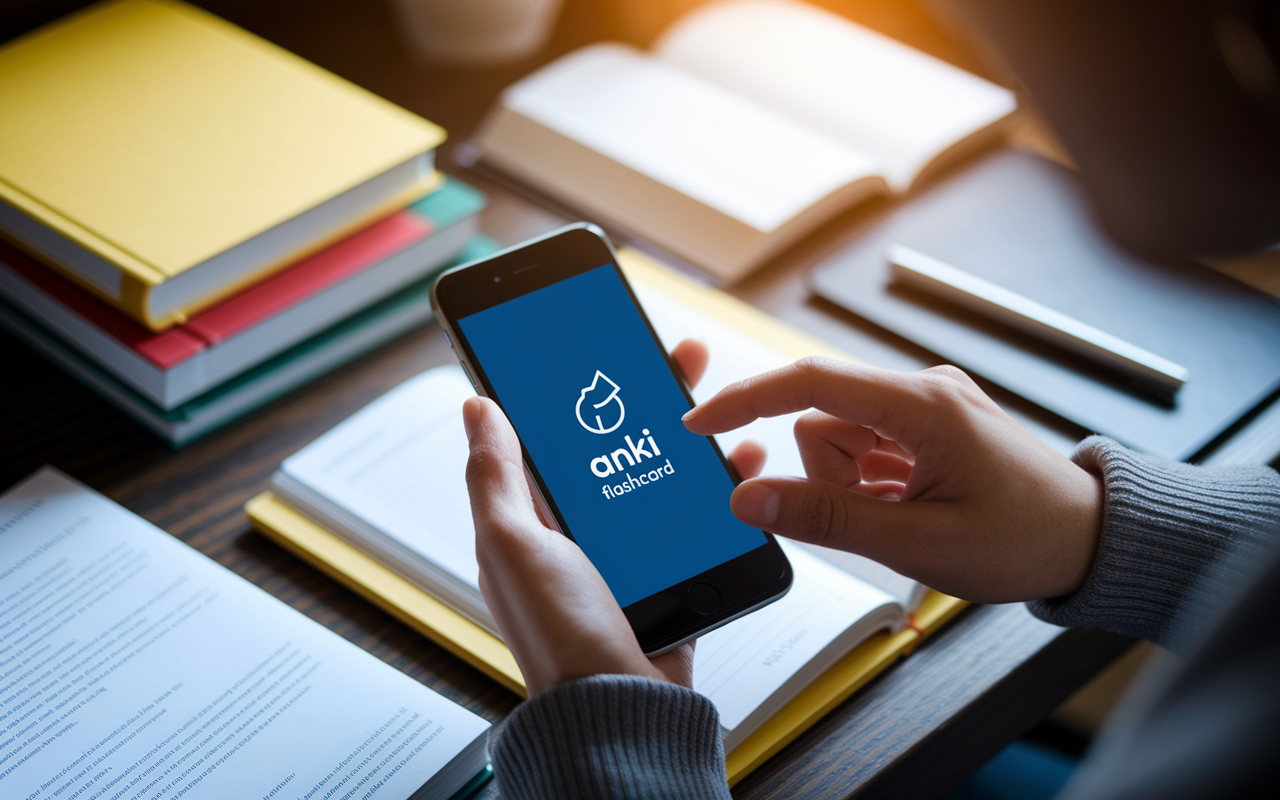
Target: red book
pixel 239 313
pixel 176 365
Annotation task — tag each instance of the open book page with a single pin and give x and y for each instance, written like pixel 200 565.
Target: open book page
pixel 872 93
pixel 396 470
pixel 734 357
pixel 400 461
pixel 717 147
pixel 136 667
pixel 774 652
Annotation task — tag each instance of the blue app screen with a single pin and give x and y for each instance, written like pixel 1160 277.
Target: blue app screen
pixel 590 394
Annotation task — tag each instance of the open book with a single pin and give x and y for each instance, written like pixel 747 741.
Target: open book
pixel 135 667
pixel 390 480
pixel 749 123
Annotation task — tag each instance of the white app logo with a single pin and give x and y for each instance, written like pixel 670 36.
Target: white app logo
pixel 595 412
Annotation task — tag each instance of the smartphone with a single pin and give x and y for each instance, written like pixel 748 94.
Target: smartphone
pixel 552 332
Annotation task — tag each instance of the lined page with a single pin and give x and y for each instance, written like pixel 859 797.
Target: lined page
pixel 134 667
pixel 400 464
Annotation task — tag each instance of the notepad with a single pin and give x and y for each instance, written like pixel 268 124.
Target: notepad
pixel 133 666
pixel 1026 225
pixel 390 479
pixel 749 123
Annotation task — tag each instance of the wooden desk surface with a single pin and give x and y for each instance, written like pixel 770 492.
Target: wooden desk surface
pixel 915 732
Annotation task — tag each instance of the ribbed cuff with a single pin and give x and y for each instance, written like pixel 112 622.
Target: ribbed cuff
pixel 1167 531
pixel 611 736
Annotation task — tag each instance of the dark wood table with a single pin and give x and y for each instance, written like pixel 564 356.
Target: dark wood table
pixel 915 732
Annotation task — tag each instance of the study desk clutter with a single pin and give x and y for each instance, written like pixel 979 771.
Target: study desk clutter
pixel 915 731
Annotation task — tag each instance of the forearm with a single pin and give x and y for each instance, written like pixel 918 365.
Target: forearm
pixel 611 736
pixel 1166 526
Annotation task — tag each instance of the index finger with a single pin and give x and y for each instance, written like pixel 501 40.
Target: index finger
pixel 879 399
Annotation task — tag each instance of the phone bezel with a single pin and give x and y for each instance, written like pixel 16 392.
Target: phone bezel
pixel 664 620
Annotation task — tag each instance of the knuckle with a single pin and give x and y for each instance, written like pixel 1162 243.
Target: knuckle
pixel 946 385
pixel 825 519
pixel 949 373
pixel 809 424
pixel 497 541
pixel 814 365
pixel 482 466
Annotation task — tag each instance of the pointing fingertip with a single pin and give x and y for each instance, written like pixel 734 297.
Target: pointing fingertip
pixel 756 504
pixel 470 417
pixel 690 414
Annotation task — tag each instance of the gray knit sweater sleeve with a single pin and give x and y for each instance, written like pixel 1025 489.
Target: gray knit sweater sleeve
pixel 611 737
pixel 1165 526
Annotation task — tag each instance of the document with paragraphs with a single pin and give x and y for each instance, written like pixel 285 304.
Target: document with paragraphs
pixel 134 668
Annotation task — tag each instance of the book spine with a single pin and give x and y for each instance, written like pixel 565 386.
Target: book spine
pixel 40 214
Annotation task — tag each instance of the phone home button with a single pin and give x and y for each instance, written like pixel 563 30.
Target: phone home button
pixel 703 598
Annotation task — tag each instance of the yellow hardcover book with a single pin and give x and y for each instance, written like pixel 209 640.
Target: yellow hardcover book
pixel 481 649
pixel 163 157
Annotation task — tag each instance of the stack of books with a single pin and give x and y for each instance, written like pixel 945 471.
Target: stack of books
pixel 196 221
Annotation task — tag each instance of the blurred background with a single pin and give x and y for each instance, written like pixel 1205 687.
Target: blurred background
pixel 349 37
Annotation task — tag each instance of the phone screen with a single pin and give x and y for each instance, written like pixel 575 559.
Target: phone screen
pixel 588 390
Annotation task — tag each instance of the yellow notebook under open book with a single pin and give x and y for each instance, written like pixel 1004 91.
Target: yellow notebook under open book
pixel 344 504
pixel 163 158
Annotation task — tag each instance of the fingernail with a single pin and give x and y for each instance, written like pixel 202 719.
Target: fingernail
pixel 756 504
pixel 690 414
pixel 468 420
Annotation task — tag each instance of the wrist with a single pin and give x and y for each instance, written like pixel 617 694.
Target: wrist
pixel 1081 533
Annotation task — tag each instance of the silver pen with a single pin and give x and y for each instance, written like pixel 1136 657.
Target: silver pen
pixel 995 302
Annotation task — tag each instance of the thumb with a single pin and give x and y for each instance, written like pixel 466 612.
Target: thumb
pixel 495 471
pixel 832 516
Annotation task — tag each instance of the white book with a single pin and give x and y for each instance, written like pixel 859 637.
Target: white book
pixel 749 123
pixel 134 667
pixel 390 479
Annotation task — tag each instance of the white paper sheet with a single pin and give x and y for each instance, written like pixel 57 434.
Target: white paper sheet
pixel 400 464
pixel 131 666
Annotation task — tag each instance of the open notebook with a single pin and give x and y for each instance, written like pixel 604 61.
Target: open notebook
pixel 390 481
pixel 749 123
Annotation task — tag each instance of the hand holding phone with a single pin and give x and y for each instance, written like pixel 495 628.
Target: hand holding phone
pixel 553 334
pixel 556 612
